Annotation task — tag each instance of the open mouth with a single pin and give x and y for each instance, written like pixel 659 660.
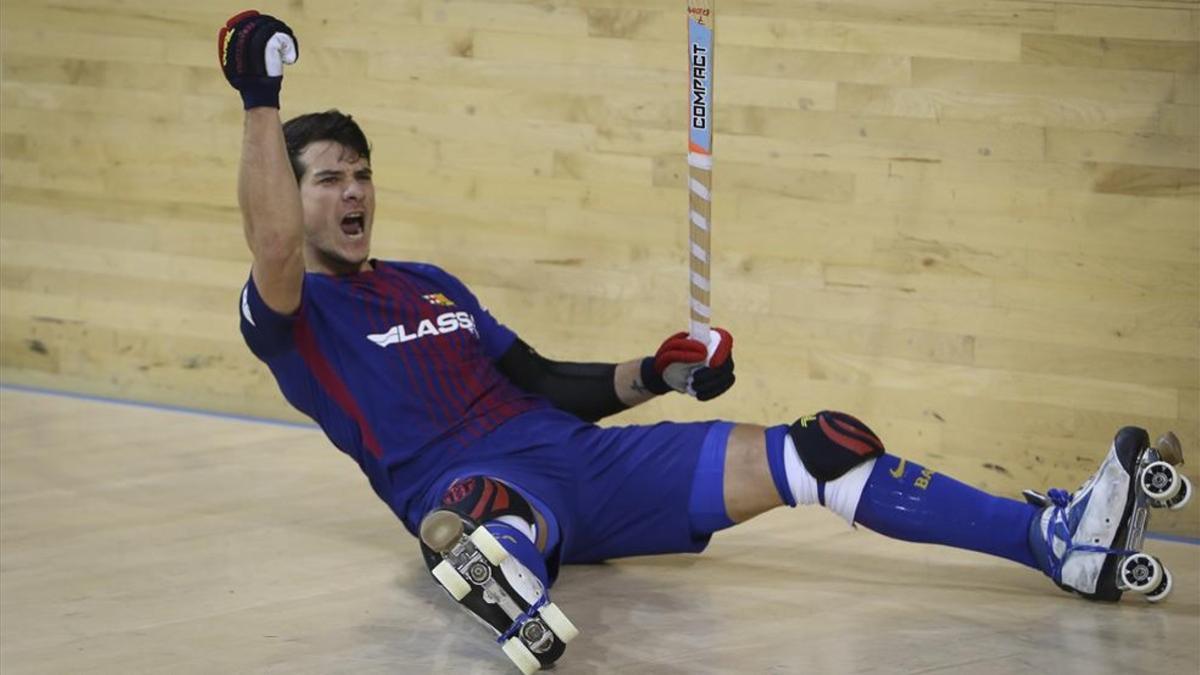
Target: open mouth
pixel 353 224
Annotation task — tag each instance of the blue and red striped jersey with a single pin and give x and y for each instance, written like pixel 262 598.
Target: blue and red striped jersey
pixel 395 364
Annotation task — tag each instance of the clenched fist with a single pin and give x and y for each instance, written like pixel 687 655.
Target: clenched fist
pixel 252 49
pixel 690 367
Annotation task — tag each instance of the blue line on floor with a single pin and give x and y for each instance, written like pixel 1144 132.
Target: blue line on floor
pixel 1177 538
pixel 157 406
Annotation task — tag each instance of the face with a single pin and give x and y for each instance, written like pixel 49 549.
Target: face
pixel 339 207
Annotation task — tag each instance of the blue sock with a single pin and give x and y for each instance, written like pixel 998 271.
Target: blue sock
pixel 519 547
pixel 906 501
pixel 553 535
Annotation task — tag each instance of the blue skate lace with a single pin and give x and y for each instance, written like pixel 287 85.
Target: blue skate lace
pixel 1060 527
pixel 520 620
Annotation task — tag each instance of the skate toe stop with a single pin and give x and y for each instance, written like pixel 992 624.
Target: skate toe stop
pixel 440 530
pixel 1169 448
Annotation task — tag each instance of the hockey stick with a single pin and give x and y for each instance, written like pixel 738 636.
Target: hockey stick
pixel 701 26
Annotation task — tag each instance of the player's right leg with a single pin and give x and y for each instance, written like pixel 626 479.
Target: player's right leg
pixel 479 546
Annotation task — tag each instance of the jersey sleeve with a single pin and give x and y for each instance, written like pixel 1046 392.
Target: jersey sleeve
pixel 267 332
pixel 495 336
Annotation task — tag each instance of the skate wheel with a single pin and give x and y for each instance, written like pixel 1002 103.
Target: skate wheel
pixel 491 549
pixel 1160 481
pixel 441 530
pixel 1163 589
pixel 451 580
pixel 1141 573
pixel 524 659
pixel 1185 494
pixel 558 623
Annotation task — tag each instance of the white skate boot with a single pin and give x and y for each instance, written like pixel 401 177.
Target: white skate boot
pixel 480 574
pixel 1090 542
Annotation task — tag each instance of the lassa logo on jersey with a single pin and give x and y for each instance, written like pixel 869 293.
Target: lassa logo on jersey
pixel 444 323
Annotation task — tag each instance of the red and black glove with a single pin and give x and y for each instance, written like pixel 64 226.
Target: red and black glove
pixel 252 49
pixel 688 366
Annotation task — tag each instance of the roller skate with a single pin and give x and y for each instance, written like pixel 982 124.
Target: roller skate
pixel 493 585
pixel 1090 542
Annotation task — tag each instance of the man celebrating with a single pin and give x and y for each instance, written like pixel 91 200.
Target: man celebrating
pixel 489 452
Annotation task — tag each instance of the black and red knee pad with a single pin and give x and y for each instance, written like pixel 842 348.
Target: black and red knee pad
pixel 481 499
pixel 832 443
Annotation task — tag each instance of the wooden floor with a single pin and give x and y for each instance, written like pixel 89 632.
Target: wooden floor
pixel 146 540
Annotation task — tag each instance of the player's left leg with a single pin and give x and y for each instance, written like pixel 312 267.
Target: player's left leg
pixel 835 460
pixel 482 545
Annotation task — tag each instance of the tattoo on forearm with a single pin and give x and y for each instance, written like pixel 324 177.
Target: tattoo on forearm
pixel 639 387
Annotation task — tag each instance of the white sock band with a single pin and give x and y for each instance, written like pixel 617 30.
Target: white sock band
pixel 800 481
pixel 520 525
pixel 841 495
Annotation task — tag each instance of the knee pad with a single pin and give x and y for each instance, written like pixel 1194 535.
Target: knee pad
pixel 481 499
pixel 477 500
pixel 832 443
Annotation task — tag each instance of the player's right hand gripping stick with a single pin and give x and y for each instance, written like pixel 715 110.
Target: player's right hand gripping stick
pixel 252 49
pixel 690 367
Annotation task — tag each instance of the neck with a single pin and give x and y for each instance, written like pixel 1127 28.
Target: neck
pixel 323 263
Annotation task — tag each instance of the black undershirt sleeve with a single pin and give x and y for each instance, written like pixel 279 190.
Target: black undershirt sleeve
pixel 583 389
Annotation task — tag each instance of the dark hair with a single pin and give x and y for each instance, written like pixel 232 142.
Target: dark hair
pixel 331 125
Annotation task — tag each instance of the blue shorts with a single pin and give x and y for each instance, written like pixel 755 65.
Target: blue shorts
pixel 615 491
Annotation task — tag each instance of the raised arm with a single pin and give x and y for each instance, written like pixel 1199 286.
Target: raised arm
pixel 271 212
pixel 253 49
